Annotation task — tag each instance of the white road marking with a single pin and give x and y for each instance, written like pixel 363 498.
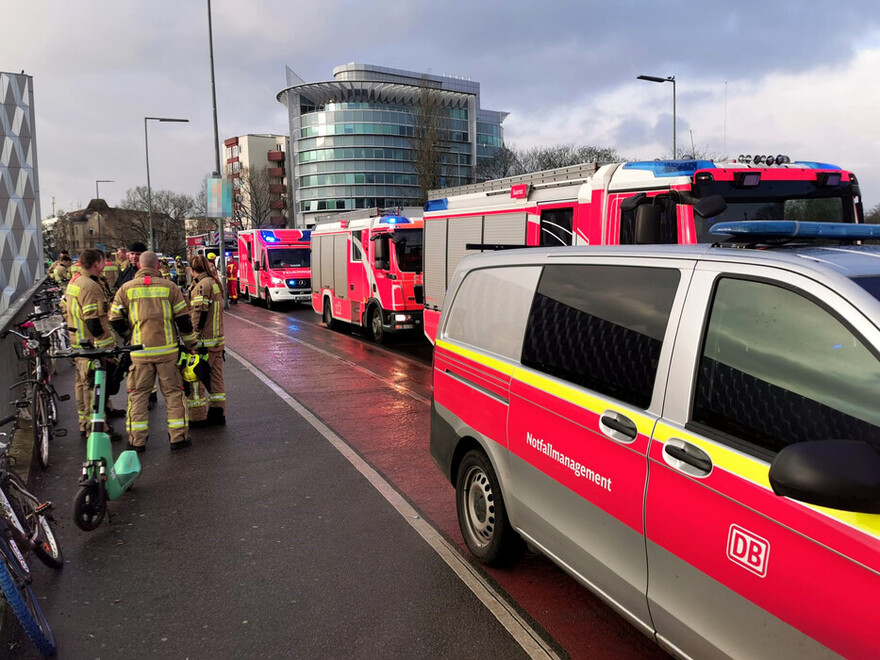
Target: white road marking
pixel 395 386
pixel 519 629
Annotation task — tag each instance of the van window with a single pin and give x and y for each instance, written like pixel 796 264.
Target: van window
pixel 601 327
pixel 490 309
pixel 776 368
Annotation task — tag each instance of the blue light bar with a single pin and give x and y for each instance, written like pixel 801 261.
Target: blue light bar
pixel 664 168
pixel 307 234
pixel 793 229
pixel 394 220
pixel 437 204
pixel 816 166
pixel 268 236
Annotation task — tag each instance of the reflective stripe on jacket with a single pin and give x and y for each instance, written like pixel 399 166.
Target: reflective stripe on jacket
pixel 85 300
pixel 205 295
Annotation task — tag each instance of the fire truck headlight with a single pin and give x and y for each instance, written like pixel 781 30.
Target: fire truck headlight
pixel 400 318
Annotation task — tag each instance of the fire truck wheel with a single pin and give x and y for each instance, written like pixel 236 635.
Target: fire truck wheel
pixel 327 316
pixel 377 332
pixel 482 516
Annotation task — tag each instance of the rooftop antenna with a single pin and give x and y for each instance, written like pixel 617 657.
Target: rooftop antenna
pixel 693 149
pixel 724 151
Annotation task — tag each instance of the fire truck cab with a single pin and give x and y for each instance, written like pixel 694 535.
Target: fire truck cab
pixel 660 201
pixel 274 266
pixel 367 267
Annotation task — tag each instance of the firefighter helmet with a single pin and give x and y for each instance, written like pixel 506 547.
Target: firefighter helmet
pixel 188 364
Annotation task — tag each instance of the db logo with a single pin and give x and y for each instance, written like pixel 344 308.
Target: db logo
pixel 748 550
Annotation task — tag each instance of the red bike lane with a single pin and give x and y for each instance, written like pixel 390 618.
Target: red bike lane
pixel 385 417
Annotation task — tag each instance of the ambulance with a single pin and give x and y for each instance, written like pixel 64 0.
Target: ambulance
pixel 659 201
pixel 692 432
pixel 274 266
pixel 367 270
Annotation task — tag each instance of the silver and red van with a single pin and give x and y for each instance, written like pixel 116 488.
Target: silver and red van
pixel 692 432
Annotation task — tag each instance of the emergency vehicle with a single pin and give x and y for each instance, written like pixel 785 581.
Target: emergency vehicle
pixel 367 270
pixel 274 266
pixel 692 432
pixel 205 244
pixel 660 201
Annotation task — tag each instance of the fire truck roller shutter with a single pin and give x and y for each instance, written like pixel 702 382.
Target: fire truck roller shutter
pixel 506 229
pixel 315 248
pixel 435 263
pixel 461 232
pixel 326 262
pixel 340 265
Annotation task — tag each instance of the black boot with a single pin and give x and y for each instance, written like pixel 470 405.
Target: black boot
pixel 216 416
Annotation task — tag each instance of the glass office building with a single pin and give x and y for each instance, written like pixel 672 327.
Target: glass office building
pixel 352 139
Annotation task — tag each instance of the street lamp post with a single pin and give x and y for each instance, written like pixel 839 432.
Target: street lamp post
pixel 98 196
pixel 149 190
pixel 671 79
pixel 218 172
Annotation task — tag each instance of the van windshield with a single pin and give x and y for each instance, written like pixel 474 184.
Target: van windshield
pixel 289 258
pixel 408 246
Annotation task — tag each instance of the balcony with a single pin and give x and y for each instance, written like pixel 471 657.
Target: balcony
pixel 276 156
pixel 279 204
pixel 276 188
pixel 276 171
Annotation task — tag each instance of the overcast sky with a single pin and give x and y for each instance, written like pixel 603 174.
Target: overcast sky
pixel 769 76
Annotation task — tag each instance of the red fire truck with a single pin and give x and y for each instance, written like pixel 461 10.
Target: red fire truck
pixel 274 266
pixel 367 270
pixel 660 201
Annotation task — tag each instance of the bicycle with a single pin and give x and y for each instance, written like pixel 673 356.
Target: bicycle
pixel 48 300
pixel 24 528
pixel 41 397
pixel 102 479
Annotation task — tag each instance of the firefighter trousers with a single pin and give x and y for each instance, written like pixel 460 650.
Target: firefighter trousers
pixel 201 399
pixel 83 393
pixel 141 379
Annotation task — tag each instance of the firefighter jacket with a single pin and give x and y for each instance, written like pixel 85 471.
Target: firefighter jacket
pixel 153 308
pixel 111 273
pixel 206 297
pixel 60 273
pixel 87 313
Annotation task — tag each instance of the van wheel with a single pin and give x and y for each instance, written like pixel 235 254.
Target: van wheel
pixel 268 300
pixel 377 332
pixel 243 295
pixel 482 516
pixel 327 316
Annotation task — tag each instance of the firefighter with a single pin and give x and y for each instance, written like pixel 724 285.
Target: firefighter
pixel 111 273
pixel 87 315
pixel 232 281
pixel 206 302
pixel 147 309
pixel 60 272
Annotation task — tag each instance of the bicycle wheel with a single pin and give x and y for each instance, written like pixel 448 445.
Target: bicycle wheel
pixel 23 603
pixel 42 426
pixel 37 525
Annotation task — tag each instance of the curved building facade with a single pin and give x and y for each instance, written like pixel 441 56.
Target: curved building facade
pixel 352 139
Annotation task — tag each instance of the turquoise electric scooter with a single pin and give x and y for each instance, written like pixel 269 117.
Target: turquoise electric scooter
pixel 102 479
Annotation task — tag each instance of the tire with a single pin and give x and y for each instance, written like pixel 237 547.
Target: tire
pixel 24 604
pixel 271 306
pixel 89 508
pixel 482 516
pixel 374 325
pixel 52 407
pixel 243 295
pixel 42 426
pixel 327 316
pixel 47 548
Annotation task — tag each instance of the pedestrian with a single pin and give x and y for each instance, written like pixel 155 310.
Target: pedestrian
pixel 206 303
pixel 87 315
pixel 147 308
pixel 133 254
pixel 232 281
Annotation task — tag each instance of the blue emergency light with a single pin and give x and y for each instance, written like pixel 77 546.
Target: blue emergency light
pixel 441 204
pixel 268 236
pixel 782 229
pixel 394 220
pixel 664 168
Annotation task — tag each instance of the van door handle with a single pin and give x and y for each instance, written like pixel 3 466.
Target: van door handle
pixel 620 426
pixel 689 454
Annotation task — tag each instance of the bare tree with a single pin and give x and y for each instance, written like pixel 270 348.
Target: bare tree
pixel 503 164
pixel 428 131
pixel 169 211
pixel 538 159
pixel 872 217
pixel 254 198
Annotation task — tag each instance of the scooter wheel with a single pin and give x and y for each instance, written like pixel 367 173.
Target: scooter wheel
pixel 89 508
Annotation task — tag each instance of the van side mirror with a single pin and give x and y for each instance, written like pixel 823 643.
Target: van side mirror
pixel 648 224
pixel 838 474
pixel 256 265
pixel 709 207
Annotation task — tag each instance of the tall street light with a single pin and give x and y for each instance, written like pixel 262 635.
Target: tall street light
pixel 217 171
pixel 98 196
pixel 671 79
pixel 149 191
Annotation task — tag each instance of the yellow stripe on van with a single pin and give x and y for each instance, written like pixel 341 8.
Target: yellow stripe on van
pixel 579 397
pixel 479 358
pixel 757 472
